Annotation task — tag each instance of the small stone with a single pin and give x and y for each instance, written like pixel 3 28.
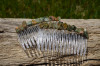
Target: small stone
pixel 41 25
pixel 24 25
pixel 73 27
pixel 69 28
pixel 55 19
pixel 65 26
pixel 17 29
pixel 60 25
pixel 79 31
pixel 50 25
pixel 29 23
pixel 38 20
pixel 21 28
pixel 85 34
pixel 58 18
pixel 55 24
pixel 41 19
pixel 34 22
pixel 46 19
pixel 52 18
pixel 45 25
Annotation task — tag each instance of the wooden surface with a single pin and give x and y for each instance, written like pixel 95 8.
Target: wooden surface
pixel 12 54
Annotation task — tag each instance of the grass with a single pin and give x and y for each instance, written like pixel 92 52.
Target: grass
pixel 37 8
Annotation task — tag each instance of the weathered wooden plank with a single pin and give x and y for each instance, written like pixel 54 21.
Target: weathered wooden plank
pixel 12 54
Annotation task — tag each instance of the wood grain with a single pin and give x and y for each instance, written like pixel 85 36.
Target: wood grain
pixel 12 54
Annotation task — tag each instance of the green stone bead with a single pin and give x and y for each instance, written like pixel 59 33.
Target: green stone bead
pixel 24 24
pixel 41 19
pixel 59 18
pixel 46 19
pixel 29 23
pixel 69 28
pixel 41 25
pixel 21 28
pixel 80 31
pixel 17 30
pixel 85 34
pixel 77 30
pixel 73 27
pixel 55 25
pixel 50 25
pixel 37 20
pixel 60 26
pixel 45 25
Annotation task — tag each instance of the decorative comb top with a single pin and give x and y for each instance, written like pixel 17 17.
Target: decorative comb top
pixel 52 22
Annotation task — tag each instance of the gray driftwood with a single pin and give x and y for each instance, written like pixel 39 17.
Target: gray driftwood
pixel 12 54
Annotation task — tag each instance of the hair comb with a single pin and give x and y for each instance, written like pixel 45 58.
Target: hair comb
pixel 51 38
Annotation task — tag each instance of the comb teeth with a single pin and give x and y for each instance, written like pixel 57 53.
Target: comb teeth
pixel 74 43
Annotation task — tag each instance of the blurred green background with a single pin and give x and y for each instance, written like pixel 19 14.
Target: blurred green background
pixel 38 8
